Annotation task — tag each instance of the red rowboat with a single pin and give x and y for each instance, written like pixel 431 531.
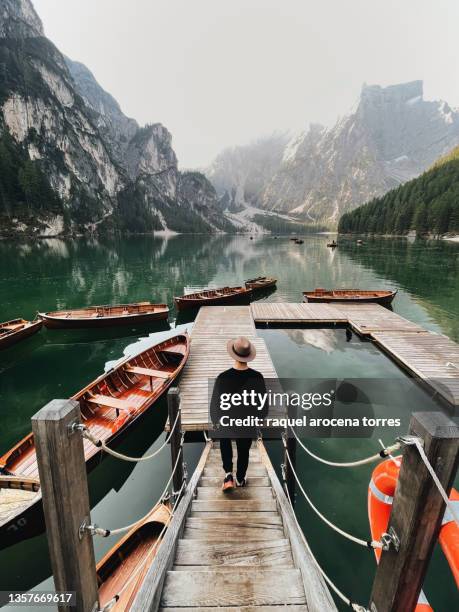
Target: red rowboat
pixel 106 316
pixel 122 570
pixel 213 297
pixel 109 406
pixel 16 330
pixel 359 296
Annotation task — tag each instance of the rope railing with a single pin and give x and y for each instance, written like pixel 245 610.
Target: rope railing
pixel 365 543
pixel 354 606
pixel 385 452
pixel 99 531
pixel 86 433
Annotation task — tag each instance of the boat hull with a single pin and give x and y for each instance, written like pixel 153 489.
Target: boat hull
pixel 384 300
pixel 262 285
pixel 242 297
pixel 96 323
pixel 29 521
pixel 22 334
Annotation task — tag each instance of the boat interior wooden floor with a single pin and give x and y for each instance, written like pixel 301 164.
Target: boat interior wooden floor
pixel 212 293
pixel 111 401
pixel 10 327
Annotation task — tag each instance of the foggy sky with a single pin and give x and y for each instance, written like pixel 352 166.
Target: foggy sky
pixel 224 72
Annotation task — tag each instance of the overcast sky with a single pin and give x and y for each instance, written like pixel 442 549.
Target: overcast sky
pixel 223 72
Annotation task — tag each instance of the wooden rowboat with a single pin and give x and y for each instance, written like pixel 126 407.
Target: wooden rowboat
pixel 109 406
pixel 261 282
pixel 213 297
pixel 122 570
pixel 359 296
pixel 105 316
pixel 16 330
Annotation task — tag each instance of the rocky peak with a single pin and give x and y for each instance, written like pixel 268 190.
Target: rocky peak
pixel 18 19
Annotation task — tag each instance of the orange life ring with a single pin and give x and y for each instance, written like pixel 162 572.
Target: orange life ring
pixel 380 497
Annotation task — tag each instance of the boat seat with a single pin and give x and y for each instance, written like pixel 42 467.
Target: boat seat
pixel 110 402
pixel 148 372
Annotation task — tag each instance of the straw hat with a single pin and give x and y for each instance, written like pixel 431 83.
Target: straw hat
pixel 241 349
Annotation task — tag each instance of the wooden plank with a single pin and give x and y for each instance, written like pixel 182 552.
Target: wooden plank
pixel 64 487
pixel 245 505
pixel 235 587
pixel 318 596
pixel 216 481
pixel 242 533
pixel 254 469
pixel 148 372
pixel 255 493
pixel 148 596
pixel 197 553
pixel 281 608
pixel 242 516
pixel 296 313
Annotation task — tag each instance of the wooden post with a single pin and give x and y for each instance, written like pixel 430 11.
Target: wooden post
pixel 173 407
pixel 64 488
pixel 290 442
pixel 417 513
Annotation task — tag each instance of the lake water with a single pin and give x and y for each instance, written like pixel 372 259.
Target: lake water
pixel 53 274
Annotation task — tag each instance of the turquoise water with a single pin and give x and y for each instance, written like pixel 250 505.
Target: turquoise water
pixel 52 274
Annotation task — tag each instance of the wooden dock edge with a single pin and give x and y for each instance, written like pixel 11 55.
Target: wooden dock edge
pixel 318 596
pixel 149 595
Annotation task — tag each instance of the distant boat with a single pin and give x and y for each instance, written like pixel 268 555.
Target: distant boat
pixel 332 244
pixel 213 297
pixel 16 330
pixel 105 316
pixel 349 295
pixel 299 241
pixel 261 282
pixel 132 555
pixel 109 406
pixel 360 242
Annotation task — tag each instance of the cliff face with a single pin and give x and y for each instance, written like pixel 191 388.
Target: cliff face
pixel 73 160
pixel 392 137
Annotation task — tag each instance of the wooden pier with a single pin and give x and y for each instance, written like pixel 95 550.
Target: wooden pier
pixel 244 550
pixel 213 327
pixel 239 551
pixel 431 357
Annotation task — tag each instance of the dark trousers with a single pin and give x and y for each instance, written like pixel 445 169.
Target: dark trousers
pixel 243 446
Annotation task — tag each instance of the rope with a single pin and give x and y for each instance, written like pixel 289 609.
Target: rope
pixel 366 543
pixel 385 452
pixel 107 532
pixel 116 598
pixel 436 480
pixel 101 444
pixel 354 606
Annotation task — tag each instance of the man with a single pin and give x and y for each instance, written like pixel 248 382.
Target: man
pixel 231 384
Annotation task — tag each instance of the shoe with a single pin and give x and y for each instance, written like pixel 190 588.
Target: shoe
pixel 228 483
pixel 242 483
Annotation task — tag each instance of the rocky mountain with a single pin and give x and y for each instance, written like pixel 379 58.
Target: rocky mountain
pixel 71 161
pixel 393 136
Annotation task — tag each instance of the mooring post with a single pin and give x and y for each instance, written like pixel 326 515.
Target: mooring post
pixel 417 513
pixel 64 487
pixel 290 449
pixel 173 407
